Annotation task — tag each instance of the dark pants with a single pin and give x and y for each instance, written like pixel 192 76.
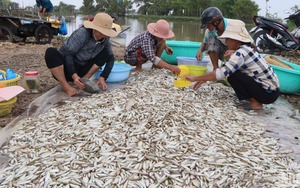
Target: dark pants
pixel 54 59
pixel 246 87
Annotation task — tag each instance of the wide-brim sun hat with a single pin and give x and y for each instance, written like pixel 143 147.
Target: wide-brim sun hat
pixel 236 30
pixel 160 29
pixel 103 23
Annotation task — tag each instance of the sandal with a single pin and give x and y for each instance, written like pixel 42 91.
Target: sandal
pixel 247 106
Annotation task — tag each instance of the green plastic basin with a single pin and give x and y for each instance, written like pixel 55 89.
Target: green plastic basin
pixel 180 48
pixel 289 80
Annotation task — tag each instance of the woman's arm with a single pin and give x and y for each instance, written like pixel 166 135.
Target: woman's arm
pixel 69 49
pixel 199 53
pixel 211 76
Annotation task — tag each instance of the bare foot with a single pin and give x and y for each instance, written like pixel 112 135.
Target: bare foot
pixel 256 105
pixel 71 91
pixel 248 106
pixel 252 105
pixel 137 70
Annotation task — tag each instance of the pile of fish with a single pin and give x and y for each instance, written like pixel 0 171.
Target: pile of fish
pixel 147 134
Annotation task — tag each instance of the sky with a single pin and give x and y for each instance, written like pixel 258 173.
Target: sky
pixel 274 6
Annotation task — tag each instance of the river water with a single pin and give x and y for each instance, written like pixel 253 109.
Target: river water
pixel 184 30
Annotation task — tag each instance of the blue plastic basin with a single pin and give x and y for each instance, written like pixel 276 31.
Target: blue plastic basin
pixel 289 80
pixel 120 72
pixel 180 48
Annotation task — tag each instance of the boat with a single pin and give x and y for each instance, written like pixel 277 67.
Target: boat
pixel 287 72
pixel 120 40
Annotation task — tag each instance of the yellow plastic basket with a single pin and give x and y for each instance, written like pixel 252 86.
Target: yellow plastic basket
pixel 6 106
pixel 197 70
pixel 183 70
pixel 11 82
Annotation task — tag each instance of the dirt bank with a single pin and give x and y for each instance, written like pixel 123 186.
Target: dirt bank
pixel 25 57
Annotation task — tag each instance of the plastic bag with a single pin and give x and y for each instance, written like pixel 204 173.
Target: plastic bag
pixel 297 32
pixel 63 28
pixel 10 74
pixel 2 77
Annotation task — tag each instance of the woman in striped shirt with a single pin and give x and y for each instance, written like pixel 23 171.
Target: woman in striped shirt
pixel 251 77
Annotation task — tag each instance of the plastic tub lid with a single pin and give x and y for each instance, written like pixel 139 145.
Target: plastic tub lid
pixel 191 59
pixel 31 73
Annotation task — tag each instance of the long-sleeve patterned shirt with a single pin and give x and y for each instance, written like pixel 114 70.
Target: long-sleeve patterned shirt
pixel 248 61
pixel 81 47
pixel 148 45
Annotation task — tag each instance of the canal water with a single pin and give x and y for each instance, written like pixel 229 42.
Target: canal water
pixel 183 30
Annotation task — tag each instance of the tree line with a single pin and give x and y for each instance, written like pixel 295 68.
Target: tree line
pixel 185 8
pixel 62 9
pixel 235 9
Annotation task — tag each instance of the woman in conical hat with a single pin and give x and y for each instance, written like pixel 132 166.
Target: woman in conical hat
pixel 85 51
pixel 251 77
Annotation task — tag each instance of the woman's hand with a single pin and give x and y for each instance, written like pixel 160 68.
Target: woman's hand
pixel 77 81
pixel 192 79
pixel 101 82
pixel 189 77
pixel 174 69
pixel 169 50
pixel 198 84
pixel 199 56
pixel 228 53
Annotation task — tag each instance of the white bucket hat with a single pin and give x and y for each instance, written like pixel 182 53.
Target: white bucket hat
pixel 103 23
pixel 160 29
pixel 236 30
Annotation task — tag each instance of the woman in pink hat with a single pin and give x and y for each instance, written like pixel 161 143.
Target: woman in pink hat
pixel 149 45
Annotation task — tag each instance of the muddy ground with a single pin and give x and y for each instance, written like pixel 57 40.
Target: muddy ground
pixel 22 57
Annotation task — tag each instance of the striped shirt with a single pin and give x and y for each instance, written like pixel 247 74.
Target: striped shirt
pixel 248 61
pixel 147 43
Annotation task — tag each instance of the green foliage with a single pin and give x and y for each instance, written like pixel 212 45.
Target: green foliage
pixel 8 4
pixel 226 7
pixel 194 8
pixel 235 9
pixel 273 16
pixel 242 12
pixel 112 7
pixel 64 9
pixel 88 7
pixel 169 18
pixel 291 25
pixel 295 8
